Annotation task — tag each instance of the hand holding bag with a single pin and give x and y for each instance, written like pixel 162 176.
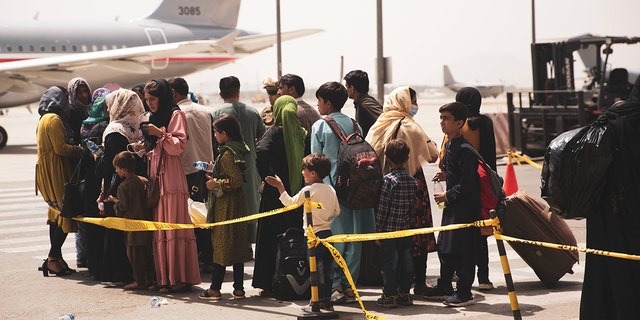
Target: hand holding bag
pixel 153 186
pixel 73 199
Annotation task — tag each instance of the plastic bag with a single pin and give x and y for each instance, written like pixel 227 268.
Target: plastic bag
pixel 575 165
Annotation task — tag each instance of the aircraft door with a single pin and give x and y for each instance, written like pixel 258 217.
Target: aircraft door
pixel 156 36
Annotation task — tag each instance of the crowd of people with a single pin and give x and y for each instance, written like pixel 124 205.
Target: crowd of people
pixel 155 131
pixel 261 161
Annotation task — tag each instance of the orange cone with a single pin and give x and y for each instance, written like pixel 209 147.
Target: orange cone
pixel 510 183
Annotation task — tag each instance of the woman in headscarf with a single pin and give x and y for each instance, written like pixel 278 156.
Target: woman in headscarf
pixel 279 152
pixel 97 112
pixel 98 120
pixel 396 122
pixel 124 109
pixel 174 251
pixel 79 102
pixel 53 170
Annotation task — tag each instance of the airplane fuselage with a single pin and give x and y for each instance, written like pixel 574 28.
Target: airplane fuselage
pixel 35 39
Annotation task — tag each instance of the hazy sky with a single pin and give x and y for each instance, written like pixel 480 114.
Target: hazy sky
pixel 485 41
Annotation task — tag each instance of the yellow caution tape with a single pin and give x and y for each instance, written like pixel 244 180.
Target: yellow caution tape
pixel 144 225
pixel 569 248
pixel 515 156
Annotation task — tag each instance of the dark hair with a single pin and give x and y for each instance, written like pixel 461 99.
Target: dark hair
pixel 229 87
pixel 333 92
pixel 317 162
pixel 125 160
pixel 457 109
pixel 397 151
pixel 412 93
pixel 359 80
pixel 229 124
pixel 292 80
pixel 179 85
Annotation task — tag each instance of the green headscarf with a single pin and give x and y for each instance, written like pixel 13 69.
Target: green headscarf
pixel 285 115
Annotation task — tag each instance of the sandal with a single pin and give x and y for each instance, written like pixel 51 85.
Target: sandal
pixel 215 295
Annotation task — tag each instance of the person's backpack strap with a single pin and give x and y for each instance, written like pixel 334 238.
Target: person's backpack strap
pixel 335 128
pixel 470 147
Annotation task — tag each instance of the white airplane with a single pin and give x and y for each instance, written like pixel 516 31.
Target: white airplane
pixel 178 38
pixel 486 90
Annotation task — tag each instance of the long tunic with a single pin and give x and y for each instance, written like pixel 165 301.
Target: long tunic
pixel 463 199
pixel 230 242
pixel 53 168
pixel 175 253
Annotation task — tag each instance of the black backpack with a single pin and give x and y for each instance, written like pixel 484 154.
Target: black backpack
pixel 359 169
pixel 291 280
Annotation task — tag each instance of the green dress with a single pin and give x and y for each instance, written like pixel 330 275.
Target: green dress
pixel 230 242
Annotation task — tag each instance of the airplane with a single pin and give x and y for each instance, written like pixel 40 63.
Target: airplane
pixel 486 90
pixel 179 37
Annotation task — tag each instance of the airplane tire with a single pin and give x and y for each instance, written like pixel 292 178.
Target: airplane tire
pixel 3 137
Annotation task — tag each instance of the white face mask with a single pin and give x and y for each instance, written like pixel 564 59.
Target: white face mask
pixel 414 110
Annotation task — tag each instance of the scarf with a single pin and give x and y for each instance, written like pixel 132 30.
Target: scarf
pixel 239 149
pixel 125 109
pixel 76 104
pixel 98 106
pixel 396 117
pixel 166 106
pixel 55 100
pixel 285 115
pixel 471 98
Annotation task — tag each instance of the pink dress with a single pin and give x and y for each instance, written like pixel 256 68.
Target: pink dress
pixel 174 251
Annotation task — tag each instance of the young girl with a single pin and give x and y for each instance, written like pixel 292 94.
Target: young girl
pixel 226 202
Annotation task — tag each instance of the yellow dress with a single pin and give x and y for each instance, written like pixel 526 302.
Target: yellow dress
pixel 53 168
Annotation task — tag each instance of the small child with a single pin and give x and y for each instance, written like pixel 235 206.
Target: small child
pixel 130 203
pixel 226 201
pixel 457 248
pixel 315 167
pixel 395 209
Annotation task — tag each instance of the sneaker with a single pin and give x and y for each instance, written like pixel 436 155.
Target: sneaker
pixel 325 305
pixel 437 293
pixel 337 297
pixel 386 301
pixel 456 301
pixel 404 299
pixel 485 286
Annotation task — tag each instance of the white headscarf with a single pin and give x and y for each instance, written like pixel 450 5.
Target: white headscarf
pixel 125 108
pixel 396 117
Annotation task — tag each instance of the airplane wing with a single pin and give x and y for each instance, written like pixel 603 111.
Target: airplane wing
pixel 17 75
pixel 254 43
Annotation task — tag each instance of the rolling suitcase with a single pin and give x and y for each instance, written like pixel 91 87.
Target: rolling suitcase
pixel 291 280
pixel 528 217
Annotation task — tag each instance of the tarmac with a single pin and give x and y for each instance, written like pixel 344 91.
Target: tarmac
pixel 26 294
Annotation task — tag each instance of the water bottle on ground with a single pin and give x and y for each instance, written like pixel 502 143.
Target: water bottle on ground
pixel 68 316
pixel 93 147
pixel 155 302
pixel 203 166
pixel 438 188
